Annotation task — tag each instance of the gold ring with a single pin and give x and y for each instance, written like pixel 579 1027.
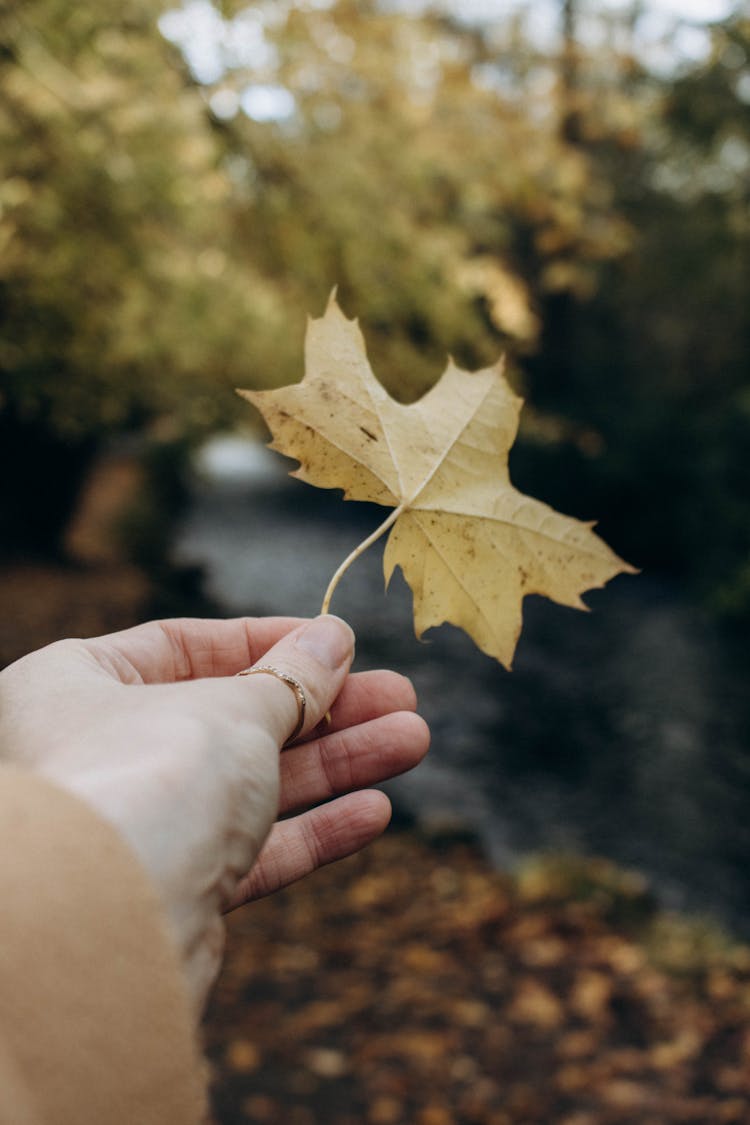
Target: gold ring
pixel 290 681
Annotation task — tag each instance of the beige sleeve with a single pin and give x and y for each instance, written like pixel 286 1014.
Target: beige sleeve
pixel 94 1019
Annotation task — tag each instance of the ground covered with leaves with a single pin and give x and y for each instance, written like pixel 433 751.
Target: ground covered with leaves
pixel 412 985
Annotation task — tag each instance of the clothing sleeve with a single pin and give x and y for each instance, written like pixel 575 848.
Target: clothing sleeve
pixel 95 1024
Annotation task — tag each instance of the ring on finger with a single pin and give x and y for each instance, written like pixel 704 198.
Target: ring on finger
pixel 291 682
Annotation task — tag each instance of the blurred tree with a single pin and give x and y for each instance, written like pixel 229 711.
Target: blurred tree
pixel 702 325
pixel 119 300
pixel 655 362
pixel 409 171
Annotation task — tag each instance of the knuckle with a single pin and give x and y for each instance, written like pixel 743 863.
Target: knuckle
pixel 336 763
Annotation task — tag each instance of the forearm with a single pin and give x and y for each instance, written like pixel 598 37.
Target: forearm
pixel 96 1024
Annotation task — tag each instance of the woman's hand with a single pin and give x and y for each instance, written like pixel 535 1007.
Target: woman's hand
pixel 153 728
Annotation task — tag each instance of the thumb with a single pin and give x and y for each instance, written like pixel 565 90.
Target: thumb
pixel 316 657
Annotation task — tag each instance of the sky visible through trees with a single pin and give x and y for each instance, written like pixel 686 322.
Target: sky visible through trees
pixel 666 33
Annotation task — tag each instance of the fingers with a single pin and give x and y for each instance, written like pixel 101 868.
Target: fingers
pixel 188 648
pixel 298 846
pixel 367 695
pixel 317 656
pixel 358 756
pixel 352 759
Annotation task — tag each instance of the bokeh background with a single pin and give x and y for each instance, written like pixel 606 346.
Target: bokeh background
pixel 552 932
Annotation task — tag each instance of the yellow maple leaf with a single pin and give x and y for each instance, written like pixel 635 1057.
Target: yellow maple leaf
pixel 469 544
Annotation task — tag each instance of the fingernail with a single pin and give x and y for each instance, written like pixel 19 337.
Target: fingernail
pixel 328 639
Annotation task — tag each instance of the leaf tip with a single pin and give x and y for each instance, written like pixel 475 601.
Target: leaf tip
pixel 333 299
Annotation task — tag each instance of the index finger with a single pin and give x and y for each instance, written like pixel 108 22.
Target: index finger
pixel 188 648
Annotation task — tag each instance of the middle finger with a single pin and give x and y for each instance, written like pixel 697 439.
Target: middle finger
pixel 365 696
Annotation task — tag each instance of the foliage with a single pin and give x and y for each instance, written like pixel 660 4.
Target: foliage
pixel 119 301
pixel 404 177
pixel 655 365
pixel 469 191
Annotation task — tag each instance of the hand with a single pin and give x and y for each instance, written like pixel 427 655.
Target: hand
pixel 153 729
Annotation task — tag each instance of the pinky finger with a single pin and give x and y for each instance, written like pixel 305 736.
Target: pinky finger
pixel 297 846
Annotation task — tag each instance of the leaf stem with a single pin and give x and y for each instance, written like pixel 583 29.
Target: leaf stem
pixel 388 522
